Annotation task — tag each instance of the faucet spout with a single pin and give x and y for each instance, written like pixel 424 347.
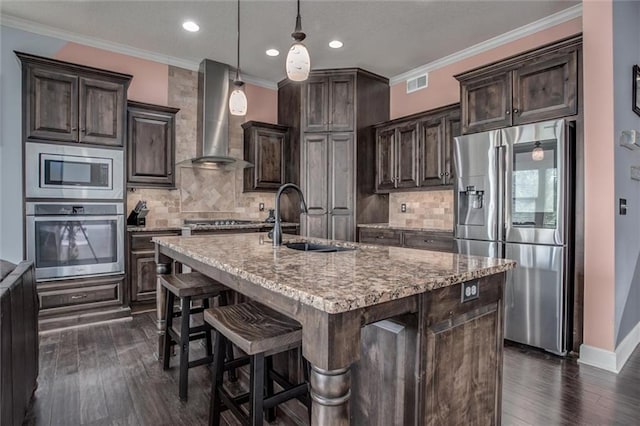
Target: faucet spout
pixel 277 229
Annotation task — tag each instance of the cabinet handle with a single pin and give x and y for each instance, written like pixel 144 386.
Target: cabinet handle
pixel 446 173
pixel 507 112
pixel 429 241
pixel 515 110
pixel 79 296
pixel 73 129
pixel 83 130
pixel 380 237
pixel 169 173
pixel 441 174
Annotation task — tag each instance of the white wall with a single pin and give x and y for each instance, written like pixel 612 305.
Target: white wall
pixel 626 53
pixel 11 216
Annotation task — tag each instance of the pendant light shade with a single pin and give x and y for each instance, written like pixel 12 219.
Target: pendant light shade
pixel 298 60
pixel 538 153
pixel 238 99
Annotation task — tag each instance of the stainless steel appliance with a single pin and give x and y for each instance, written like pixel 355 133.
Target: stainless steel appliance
pixel 512 201
pixel 66 240
pixel 70 171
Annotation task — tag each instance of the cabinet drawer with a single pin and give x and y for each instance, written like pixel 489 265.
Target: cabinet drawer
pixel 142 242
pixel 66 297
pixel 387 237
pixel 428 241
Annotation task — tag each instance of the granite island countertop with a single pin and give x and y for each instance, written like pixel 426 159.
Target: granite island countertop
pixel 334 282
pixel 200 227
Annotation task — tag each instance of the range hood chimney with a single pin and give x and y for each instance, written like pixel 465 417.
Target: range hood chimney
pixel 212 149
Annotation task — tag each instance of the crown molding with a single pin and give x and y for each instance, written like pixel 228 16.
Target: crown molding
pixel 539 25
pixel 47 31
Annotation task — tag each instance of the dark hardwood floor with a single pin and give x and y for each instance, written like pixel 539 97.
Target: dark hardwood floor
pixel 107 375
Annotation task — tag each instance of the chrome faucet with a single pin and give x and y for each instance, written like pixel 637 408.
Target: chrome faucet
pixel 277 229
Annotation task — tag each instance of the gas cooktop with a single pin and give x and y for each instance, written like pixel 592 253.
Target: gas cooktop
pixel 219 222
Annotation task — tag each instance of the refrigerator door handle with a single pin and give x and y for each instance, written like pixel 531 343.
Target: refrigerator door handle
pixel 500 160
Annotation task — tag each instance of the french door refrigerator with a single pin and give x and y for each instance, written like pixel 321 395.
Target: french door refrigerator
pixel 512 192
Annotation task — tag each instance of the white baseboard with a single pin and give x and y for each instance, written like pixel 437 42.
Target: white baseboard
pixel 609 360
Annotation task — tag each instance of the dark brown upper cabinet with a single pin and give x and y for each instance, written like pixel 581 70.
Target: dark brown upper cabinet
pixel 538 85
pixel 415 152
pixel 72 103
pixel 150 145
pixel 264 147
pixel 329 104
pixel 332 149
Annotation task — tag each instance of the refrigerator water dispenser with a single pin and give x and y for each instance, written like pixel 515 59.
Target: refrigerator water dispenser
pixel 471 206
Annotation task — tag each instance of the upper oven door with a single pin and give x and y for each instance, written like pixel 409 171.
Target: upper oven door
pixel 64 171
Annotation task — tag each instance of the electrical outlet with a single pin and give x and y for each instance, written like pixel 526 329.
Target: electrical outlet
pixel 261 207
pixel 403 208
pixel 470 291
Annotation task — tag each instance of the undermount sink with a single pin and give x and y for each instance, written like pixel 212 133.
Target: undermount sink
pixel 321 248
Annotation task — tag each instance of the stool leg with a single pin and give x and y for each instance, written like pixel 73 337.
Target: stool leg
pixel 184 347
pixel 216 380
pixel 256 389
pixel 223 300
pixel 205 304
pixel 268 388
pixel 168 321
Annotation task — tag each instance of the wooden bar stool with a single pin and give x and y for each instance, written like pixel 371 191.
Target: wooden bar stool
pixel 260 332
pixel 188 288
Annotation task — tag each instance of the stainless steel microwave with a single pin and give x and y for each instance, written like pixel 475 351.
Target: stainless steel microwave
pixel 78 172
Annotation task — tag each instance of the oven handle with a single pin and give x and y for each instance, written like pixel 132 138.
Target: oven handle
pixel 75 218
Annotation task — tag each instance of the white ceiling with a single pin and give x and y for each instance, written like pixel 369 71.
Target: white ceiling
pixel 386 37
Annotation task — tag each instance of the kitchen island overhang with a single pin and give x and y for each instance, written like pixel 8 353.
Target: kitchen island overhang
pixel 334 294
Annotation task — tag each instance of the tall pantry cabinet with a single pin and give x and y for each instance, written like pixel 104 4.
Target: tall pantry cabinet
pixel 331 153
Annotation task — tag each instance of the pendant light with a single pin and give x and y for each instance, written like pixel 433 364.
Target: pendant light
pixel 298 60
pixel 238 99
pixel 538 153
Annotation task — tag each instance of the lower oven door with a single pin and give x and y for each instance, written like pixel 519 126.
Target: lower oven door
pixel 72 246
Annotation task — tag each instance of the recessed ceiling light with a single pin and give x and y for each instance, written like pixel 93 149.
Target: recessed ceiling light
pixel 190 26
pixel 272 52
pixel 336 44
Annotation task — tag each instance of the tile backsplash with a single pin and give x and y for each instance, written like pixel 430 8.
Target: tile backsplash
pixel 425 209
pixel 200 193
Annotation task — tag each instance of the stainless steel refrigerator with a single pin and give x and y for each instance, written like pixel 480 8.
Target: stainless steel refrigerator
pixel 512 200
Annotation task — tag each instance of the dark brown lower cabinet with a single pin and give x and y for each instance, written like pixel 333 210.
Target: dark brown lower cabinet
pixel 441 366
pixel 425 240
pixel 18 343
pixel 67 303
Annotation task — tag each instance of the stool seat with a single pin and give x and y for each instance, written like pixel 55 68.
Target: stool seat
pixel 254 328
pixel 193 284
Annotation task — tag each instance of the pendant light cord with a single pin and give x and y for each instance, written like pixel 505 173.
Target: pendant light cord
pixel 238 52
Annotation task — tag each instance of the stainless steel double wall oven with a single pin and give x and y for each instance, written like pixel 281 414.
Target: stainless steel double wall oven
pixel 74 210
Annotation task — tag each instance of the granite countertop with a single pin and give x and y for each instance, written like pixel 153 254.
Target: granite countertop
pixel 254 225
pixel 401 228
pixel 334 282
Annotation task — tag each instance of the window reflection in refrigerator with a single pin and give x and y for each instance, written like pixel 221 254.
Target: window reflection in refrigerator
pixel 535 185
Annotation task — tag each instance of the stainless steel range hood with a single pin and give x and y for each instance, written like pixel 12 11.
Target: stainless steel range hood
pixel 212 149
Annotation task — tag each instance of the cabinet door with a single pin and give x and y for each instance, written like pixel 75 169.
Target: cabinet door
pixel 150 147
pixel 385 159
pixel 407 156
pixel 432 142
pixel 316 105
pixel 486 103
pixel 341 105
pixel 315 160
pixel 452 125
pixel 546 88
pixel 269 153
pixel 51 101
pixel 341 187
pixel 101 112
pixel 143 276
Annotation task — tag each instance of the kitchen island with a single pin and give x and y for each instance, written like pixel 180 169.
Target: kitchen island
pixel 457 301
